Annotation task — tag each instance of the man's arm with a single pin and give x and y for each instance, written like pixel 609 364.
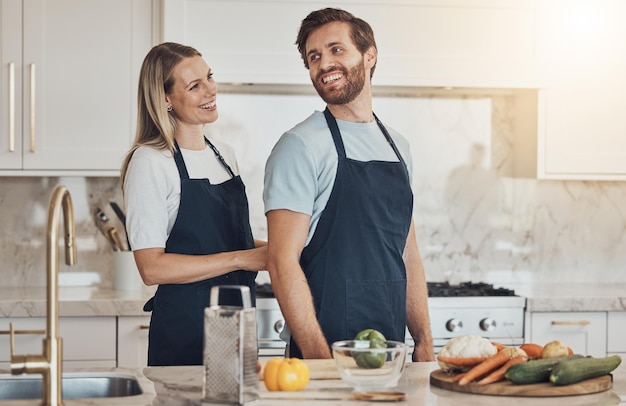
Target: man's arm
pixel 418 320
pixel 287 232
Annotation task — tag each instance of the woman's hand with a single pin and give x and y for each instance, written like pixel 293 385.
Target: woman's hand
pixel 254 259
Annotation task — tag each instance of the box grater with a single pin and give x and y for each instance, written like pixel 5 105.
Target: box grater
pixel 230 350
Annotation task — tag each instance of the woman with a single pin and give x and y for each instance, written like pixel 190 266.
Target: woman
pixel 187 210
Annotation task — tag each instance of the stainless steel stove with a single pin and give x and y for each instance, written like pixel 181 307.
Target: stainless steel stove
pixel 467 308
pixel 270 323
pixel 475 308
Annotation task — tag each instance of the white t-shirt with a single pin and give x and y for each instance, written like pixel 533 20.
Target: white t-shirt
pixel 152 189
pixel 300 171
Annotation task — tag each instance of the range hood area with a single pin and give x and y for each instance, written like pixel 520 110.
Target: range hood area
pixel 472 43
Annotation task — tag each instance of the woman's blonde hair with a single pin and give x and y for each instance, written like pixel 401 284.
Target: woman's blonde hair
pixel 155 125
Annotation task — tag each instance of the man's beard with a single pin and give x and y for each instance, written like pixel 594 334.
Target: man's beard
pixel 355 80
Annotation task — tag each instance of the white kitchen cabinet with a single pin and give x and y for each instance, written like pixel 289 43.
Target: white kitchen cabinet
pixel 132 341
pixel 69 83
pixel 616 331
pixel 458 43
pixel 581 54
pixel 584 332
pixel 87 341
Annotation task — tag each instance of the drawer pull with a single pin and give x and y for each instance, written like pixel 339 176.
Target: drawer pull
pixel 571 323
pixel 144 327
pixel 35 332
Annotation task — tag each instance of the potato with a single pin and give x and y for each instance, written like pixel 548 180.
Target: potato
pixel 515 352
pixel 554 349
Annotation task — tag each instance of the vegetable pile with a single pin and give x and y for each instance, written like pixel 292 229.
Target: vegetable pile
pixel 471 360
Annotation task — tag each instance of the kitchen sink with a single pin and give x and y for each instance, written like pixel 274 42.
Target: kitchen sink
pixel 75 386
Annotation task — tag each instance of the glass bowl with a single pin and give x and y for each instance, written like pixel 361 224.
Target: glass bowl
pixel 367 369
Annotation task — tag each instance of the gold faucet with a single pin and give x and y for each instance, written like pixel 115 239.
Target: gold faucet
pixel 49 364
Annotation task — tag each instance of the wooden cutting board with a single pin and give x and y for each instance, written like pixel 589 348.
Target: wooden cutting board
pixel 443 380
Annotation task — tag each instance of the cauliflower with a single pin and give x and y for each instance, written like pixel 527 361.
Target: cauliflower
pixel 466 346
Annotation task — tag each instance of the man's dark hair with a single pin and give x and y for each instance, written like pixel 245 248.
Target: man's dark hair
pixel 361 32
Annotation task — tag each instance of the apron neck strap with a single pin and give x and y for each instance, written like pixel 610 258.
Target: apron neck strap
pixel 182 168
pixel 334 130
pixel 180 163
pixel 389 139
pixel 220 157
pixel 341 151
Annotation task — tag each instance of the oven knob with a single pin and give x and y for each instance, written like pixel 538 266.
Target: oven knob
pixel 278 326
pixel 487 324
pixel 454 325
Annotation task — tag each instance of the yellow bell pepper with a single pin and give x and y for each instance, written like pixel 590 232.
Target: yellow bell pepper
pixel 285 374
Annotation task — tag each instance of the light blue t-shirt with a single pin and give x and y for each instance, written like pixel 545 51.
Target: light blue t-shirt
pixel 300 171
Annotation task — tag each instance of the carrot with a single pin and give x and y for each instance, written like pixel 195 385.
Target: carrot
pixel 532 350
pixel 461 362
pixel 498 374
pixel 487 366
pixel 458 377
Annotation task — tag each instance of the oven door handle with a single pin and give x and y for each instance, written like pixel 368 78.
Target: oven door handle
pixel 571 323
pixel 264 343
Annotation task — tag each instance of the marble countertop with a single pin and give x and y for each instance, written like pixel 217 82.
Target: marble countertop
pixel 93 301
pixel 572 297
pixel 74 301
pixel 182 386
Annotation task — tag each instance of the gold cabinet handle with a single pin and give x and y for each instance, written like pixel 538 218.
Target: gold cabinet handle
pixel 12 107
pixel 571 323
pixel 33 332
pixel 32 107
pixel 144 327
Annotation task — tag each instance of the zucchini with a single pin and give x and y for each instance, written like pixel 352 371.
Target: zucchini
pixel 534 371
pixel 577 370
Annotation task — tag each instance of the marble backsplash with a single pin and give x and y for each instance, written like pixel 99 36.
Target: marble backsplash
pixel 474 219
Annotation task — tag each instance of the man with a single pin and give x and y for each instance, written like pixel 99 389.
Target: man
pixel 342 251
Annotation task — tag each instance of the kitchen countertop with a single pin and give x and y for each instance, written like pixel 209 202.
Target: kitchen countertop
pixel 573 297
pixel 74 301
pixel 175 386
pixel 93 301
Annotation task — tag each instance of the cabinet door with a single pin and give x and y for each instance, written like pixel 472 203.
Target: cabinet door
pixel 455 43
pixel 87 341
pixel 616 331
pixel 80 61
pixel 132 341
pixel 582 59
pixel 584 332
pixel 10 87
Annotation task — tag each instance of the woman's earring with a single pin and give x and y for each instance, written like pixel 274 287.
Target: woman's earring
pixel 169 108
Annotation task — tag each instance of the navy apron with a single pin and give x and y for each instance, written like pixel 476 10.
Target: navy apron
pixel 353 263
pixel 211 219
